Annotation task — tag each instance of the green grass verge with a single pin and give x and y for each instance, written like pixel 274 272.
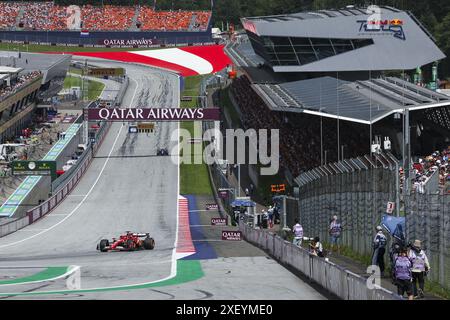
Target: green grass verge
pixel 350 253
pixel 436 289
pixel 95 88
pixel 194 177
pixel 226 104
pixel 191 89
pixel 75 70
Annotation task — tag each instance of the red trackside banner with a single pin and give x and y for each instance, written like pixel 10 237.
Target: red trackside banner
pixel 152 114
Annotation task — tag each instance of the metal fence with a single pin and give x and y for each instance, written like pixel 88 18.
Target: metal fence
pixel 337 280
pixel 356 190
pixel 428 220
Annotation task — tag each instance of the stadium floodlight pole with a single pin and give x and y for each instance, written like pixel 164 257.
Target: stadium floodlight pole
pixel 407 166
pixel 370 111
pixel 239 179
pixel 321 141
pixel 321 125
pixel 337 96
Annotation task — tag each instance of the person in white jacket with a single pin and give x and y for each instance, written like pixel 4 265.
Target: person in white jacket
pixel 420 268
pixel 297 229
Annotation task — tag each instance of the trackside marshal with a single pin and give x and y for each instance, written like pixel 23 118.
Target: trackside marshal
pixel 152 114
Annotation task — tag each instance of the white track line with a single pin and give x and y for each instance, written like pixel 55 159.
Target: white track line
pixel 78 205
pixel 173 271
pixel 70 270
pixel 85 197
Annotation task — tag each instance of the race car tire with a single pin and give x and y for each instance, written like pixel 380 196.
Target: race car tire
pixel 149 244
pixel 103 244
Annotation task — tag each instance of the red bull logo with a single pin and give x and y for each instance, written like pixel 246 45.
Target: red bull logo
pixel 391 26
pixel 395 22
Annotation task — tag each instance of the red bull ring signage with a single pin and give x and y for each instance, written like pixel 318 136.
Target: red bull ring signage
pixel 152 114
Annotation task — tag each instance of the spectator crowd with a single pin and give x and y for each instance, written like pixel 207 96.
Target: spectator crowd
pixel 427 166
pixel 8 14
pixel 300 138
pixel 50 17
pixel 107 17
pixel 18 83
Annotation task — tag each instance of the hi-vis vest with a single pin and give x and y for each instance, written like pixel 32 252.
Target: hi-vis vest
pixel 418 260
pixel 298 231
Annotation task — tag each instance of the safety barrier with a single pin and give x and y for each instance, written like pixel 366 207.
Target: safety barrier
pixel 334 278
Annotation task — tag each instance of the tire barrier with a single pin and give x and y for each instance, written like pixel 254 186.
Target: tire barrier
pixel 335 279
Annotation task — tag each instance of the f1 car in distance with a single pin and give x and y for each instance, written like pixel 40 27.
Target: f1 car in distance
pixel 162 152
pixel 127 242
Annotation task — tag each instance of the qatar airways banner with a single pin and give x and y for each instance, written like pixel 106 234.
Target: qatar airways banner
pixel 152 114
pixel 129 42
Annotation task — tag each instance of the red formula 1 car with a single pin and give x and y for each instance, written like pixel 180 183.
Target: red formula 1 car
pixel 127 242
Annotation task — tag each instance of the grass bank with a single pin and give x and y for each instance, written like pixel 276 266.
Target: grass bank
pixel 94 88
pixel 194 177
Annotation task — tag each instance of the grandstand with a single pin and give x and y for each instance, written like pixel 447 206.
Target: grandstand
pixel 321 78
pixel 45 16
pixel 26 79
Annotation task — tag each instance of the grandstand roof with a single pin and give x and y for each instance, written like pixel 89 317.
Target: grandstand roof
pixel 50 64
pixel 322 14
pixel 9 70
pixel 365 101
pixel 351 39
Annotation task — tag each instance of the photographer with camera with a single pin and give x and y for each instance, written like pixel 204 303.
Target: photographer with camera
pixel 316 248
pixel 420 267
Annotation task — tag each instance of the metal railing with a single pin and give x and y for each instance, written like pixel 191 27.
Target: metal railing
pixel 335 279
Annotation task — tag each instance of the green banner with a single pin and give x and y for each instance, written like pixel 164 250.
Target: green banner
pixel 34 168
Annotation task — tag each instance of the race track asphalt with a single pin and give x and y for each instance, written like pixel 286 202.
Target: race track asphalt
pixel 128 187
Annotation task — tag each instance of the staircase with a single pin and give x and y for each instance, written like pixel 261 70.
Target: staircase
pixel 192 23
pixel 19 17
pixel 135 20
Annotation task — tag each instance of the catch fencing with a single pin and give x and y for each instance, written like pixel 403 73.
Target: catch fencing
pixel 428 220
pixel 337 280
pixel 356 190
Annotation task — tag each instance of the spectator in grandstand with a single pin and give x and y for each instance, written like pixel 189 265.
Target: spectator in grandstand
pixel 438 161
pixel 420 268
pixel 19 82
pixel 297 229
pixel 335 230
pixel 379 248
pixel 402 272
